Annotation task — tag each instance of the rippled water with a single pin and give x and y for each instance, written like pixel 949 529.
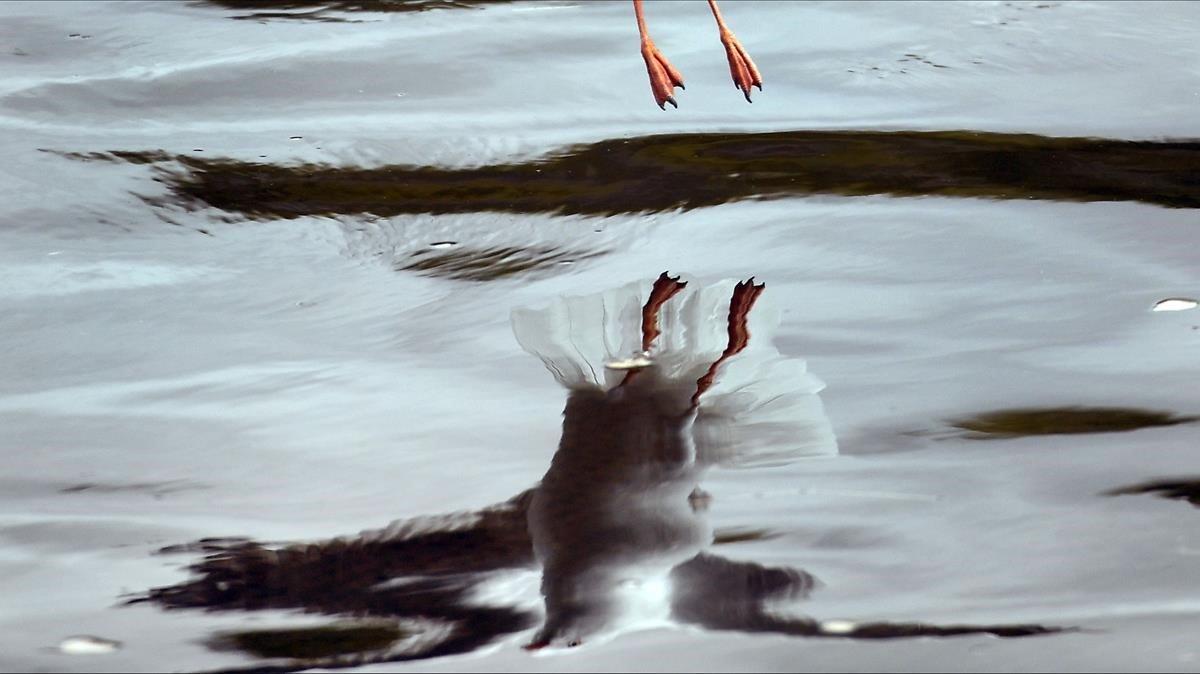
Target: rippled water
pixel 257 266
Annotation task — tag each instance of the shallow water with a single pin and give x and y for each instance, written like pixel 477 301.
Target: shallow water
pixel 256 276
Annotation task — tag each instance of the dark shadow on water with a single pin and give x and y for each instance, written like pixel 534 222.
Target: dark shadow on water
pixel 729 536
pixel 686 171
pixel 308 643
pixel 619 507
pixel 1179 489
pixel 155 489
pixel 490 264
pixel 328 10
pixel 205 545
pixel 1024 422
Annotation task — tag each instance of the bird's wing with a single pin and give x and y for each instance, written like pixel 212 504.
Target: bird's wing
pixel 341 575
pixel 720 594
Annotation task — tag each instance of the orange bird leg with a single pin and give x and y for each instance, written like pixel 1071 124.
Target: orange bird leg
pixel 663 76
pixel 745 74
pixel 664 289
pixel 744 295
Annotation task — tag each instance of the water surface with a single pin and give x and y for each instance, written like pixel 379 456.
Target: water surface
pixel 256 273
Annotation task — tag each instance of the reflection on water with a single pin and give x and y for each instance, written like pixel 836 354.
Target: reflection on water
pixel 1180 489
pixel 660 173
pixel 309 643
pixel 664 383
pixel 489 264
pixel 155 489
pixel 86 644
pixel 328 10
pixel 742 536
pixel 1175 304
pixel 1015 423
pixel 434 565
pixel 242 378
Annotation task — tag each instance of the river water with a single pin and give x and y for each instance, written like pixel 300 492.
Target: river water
pixel 257 267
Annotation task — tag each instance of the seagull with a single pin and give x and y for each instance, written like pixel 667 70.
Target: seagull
pixel 660 389
pixel 664 77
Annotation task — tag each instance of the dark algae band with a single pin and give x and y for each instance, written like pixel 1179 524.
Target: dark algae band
pixel 1182 489
pixel 327 10
pixel 1025 422
pixel 490 264
pixel 306 643
pixel 685 171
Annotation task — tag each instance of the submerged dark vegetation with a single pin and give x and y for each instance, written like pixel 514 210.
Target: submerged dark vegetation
pixel 306 643
pixel 335 10
pixel 1023 422
pixel 489 264
pixel 1182 489
pixel 687 171
pixel 669 172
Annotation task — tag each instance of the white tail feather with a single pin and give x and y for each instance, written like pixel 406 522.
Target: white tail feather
pixel 762 406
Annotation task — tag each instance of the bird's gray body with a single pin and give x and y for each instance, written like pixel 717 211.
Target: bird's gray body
pixel 613 508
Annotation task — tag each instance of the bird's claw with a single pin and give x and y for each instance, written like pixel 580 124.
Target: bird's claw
pixel 663 76
pixel 745 73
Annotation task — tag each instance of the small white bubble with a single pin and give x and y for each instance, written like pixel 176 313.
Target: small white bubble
pixel 87 645
pixel 838 626
pixel 443 244
pixel 1175 304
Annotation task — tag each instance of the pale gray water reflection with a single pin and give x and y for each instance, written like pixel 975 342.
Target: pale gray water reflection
pixel 617 528
pixel 961 210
